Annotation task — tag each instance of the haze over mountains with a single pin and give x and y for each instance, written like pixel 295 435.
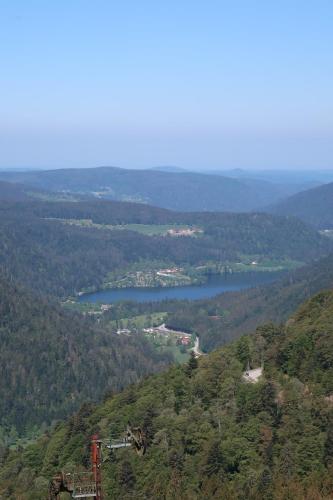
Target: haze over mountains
pixel 175 190
pixel 314 206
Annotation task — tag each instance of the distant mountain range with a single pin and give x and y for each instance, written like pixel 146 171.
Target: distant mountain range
pixel 288 182
pixel 314 206
pixel 170 168
pixel 175 190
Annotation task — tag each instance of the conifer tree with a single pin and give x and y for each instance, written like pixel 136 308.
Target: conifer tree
pixel 191 365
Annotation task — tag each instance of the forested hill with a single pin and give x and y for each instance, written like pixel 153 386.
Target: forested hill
pixel 226 317
pixel 314 206
pixel 17 192
pixel 174 190
pixel 210 433
pixel 49 254
pixel 51 361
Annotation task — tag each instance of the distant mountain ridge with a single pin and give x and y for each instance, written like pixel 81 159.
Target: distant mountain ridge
pixel 170 168
pixel 183 191
pixel 314 206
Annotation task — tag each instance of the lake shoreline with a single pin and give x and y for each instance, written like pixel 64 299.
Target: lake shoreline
pixel 212 287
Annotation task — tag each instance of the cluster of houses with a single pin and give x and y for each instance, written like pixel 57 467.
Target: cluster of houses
pixel 169 271
pixel 182 338
pixel 124 331
pixel 183 231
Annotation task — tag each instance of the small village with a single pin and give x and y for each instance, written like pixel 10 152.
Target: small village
pixel 164 338
pixel 162 334
pixel 150 277
pixel 181 338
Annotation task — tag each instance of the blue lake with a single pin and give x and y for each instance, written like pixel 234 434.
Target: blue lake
pixel 215 286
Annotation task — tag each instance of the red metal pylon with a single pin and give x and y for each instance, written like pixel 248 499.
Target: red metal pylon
pixel 96 464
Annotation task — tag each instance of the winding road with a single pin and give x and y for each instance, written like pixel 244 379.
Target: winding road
pixel 196 348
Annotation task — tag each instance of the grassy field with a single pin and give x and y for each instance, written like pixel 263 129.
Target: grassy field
pixel 179 357
pixel 151 229
pixel 250 263
pixel 141 321
pixel 82 307
pixel 146 229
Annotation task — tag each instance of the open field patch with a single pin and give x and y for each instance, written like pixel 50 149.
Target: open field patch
pixel 173 230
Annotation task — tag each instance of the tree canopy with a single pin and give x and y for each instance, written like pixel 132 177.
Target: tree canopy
pixel 211 433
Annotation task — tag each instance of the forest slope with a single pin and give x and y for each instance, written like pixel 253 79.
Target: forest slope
pixel 17 192
pixel 49 255
pixel 226 317
pixel 313 206
pixel 211 434
pixel 52 360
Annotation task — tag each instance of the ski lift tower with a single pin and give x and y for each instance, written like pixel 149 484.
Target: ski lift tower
pixel 96 460
pixel 87 485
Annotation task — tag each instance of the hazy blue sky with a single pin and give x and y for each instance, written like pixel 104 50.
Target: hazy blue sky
pixel 209 84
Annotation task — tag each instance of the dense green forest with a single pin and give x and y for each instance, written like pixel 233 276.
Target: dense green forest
pixel 186 191
pixel 49 255
pixel 42 342
pixel 314 206
pixel 210 433
pixel 52 360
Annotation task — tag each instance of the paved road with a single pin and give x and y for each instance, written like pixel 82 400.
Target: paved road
pixel 196 348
